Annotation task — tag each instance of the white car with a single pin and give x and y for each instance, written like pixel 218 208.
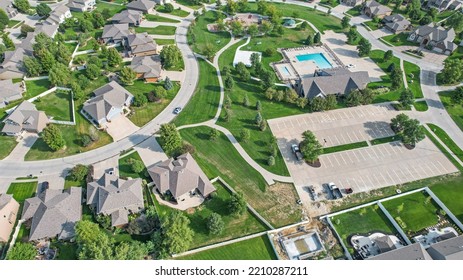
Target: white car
pixel 177 110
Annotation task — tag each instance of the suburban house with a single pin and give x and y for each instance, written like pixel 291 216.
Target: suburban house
pixel 396 23
pixel 49 30
pixel 131 17
pixel 437 38
pixel 81 5
pixel 410 252
pixel 10 92
pixel 8 212
pixel 450 249
pixel 140 44
pixel 115 33
pixel 109 102
pixel 12 65
pixel 374 9
pixel 7 6
pixel 147 67
pixel 326 82
pixel 144 6
pixel 443 5
pixel 352 3
pixel 25 117
pixel 59 15
pixel 116 197
pixel 181 178
pixel 53 213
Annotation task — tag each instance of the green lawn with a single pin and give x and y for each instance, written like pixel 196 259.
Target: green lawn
pixel 355 11
pixel 399 40
pixel 417 214
pixel 331 3
pixel 258 248
pixel 72 134
pixel 443 15
pixel 142 115
pixel 443 150
pixel 36 87
pixel 384 140
pixel 57 105
pixel 412 71
pixel 125 167
pixel 7 143
pixel 159 18
pixel 189 4
pixel 158 30
pixel 23 234
pixel 377 57
pixel 372 25
pixel 68 183
pixel 445 138
pixel 235 226
pixel 12 23
pixel 362 221
pixel 175 12
pixel 163 42
pixel 66 250
pixel 455 111
pixel 275 203
pixel 345 147
pixel 421 106
pixel 205 101
pixel 199 36
pixel 450 192
pixel 22 191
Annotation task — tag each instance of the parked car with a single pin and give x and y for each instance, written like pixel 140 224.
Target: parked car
pixel 349 190
pixel 335 191
pixel 177 110
pixel 313 193
pixel 296 151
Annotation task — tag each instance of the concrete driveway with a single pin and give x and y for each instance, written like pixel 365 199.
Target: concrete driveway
pixel 380 33
pixel 120 128
pixel 341 8
pixel 150 152
pixel 349 55
pixel 25 143
pixel 54 182
pixel 110 164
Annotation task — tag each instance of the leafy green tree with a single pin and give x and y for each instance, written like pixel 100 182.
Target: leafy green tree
pixel 160 92
pixel 7 41
pixel 352 35
pixel 236 27
pixel 140 99
pixel 168 8
pixel 242 5
pixel 93 244
pixel 79 172
pixel 452 72
pixel 214 134
pixel 22 251
pixel 310 147
pixel 398 123
pixel 114 58
pixel 246 100
pixel 271 161
pixel 4 20
pixel 354 98
pixel 317 39
pixel 413 132
pixel 331 102
pixel 388 55
pixel 245 135
pixel 174 236
pixel 170 56
pixel 22 5
pixel 345 22
pixel 406 98
pixel 301 102
pixel 32 66
pixel 266 27
pixel 92 72
pixel 258 105
pixel 267 78
pixel 229 82
pixel 106 13
pixel 426 20
pixel 364 47
pixel 62 54
pixel 456 22
pixel 258 118
pixel 47 60
pixel 170 138
pixel 317 104
pixel 43 10
pixel 396 79
pixel 457 96
pixel 86 25
pixel 136 165
pixel 215 224
pixel 127 75
pixel 53 137
pixel 26 29
pixel 168 83
pixel 243 72
pixel 309 40
pixel 304 25
pixel 98 20
pixel 59 75
pixel 263 125
pixel 253 30
pixel 237 204
pixel 255 59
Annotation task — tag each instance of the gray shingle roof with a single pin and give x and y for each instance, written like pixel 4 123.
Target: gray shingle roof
pixel 141 5
pixel 396 22
pixel 10 91
pixel 141 43
pixel 376 8
pixel 13 61
pixel 450 249
pixel 180 176
pixel 410 252
pixel 113 196
pixel 128 16
pixel 54 213
pixel 149 66
pixel 25 116
pixel 115 31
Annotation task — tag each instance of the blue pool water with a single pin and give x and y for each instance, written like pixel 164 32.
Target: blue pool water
pixel 318 58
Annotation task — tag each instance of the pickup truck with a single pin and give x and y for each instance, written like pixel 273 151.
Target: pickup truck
pixel 335 191
pixel 296 151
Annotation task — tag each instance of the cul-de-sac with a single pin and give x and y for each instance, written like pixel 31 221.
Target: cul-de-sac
pixel 231 130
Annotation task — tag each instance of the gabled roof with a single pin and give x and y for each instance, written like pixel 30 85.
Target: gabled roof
pixel 141 5
pixel 13 61
pixel 141 43
pixel 128 16
pixel 25 116
pixel 47 29
pixel 113 196
pixel 450 249
pixel 341 81
pixel 410 252
pixel 396 22
pixel 180 176
pixel 77 3
pixel 106 97
pixel 54 213
pixel 385 243
pixel 376 8
pixel 436 33
pixel 116 31
pixel 149 66
pixel 8 90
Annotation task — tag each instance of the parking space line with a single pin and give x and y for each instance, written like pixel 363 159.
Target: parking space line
pixel 427 165
pixel 438 170
pixel 398 177
pixel 410 173
pixel 331 164
pixel 355 154
pixel 336 158
pixel 350 139
pixel 384 179
pixel 345 162
pixel 443 167
pixel 361 153
pixel 342 135
pixel 374 151
pixel 337 140
pixel 371 182
pixel 403 174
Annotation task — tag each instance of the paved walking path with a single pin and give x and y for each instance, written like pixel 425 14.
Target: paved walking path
pixel 404 75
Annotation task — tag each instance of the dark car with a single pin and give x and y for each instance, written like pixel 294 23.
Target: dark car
pixel 349 190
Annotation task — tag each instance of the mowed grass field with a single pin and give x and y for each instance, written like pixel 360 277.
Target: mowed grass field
pixel 22 191
pixel 57 105
pixel 258 248
pixel 199 36
pixel 7 144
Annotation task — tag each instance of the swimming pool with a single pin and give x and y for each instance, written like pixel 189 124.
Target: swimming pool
pixel 318 58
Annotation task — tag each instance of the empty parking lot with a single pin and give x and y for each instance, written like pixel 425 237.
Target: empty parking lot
pixel 361 169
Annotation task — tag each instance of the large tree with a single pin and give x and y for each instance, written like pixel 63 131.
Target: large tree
pixel 456 21
pixel 53 137
pixel 175 235
pixel 43 10
pixel 114 58
pixel 397 80
pixel 457 96
pixel 237 204
pixel 127 75
pixel 398 123
pixel 79 172
pixel 32 66
pixel 364 47
pixel 413 132
pixel 170 56
pixel 59 75
pixel 345 22
pixel 406 98
pixel 22 251
pixel 4 20
pixel 452 72
pixel 92 72
pixel 170 138
pixel 22 5
pixel 310 147
pixel 7 41
pixel 215 224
